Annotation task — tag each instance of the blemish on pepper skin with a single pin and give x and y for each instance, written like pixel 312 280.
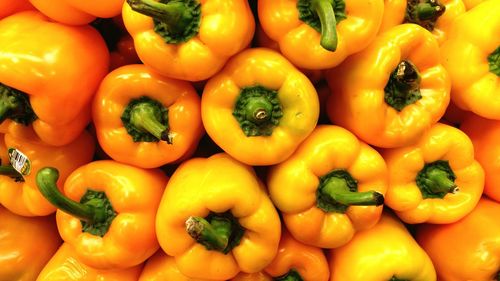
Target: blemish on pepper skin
pixel 299 114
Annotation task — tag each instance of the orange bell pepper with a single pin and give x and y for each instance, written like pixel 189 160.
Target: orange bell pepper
pixel 468 248
pixel 436 180
pixel 329 188
pixel 259 101
pixel 49 73
pixel 194 39
pixel 9 7
pixel 26 245
pixel 320 34
pixel 485 136
pixel 436 16
pixel 258 276
pixel 393 91
pixel 386 252
pixel 145 119
pixel 108 212
pixel 18 191
pixel 65 265
pixel 75 12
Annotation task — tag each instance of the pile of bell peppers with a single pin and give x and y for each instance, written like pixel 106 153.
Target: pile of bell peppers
pixel 250 140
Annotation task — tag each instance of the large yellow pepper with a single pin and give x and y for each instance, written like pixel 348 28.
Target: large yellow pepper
pixel 320 34
pixel 329 188
pixel 107 212
pixel 26 245
pixel 436 180
pixel 393 91
pixel 259 108
pixel 188 39
pixel 65 266
pixel 386 252
pixel 436 16
pixel 18 191
pixel 472 57
pixel 216 219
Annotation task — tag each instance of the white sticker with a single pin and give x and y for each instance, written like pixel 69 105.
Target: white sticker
pixel 19 161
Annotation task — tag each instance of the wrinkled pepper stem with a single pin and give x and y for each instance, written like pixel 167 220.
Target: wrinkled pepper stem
pixel 403 87
pixel 258 110
pixel 143 117
pixel 337 190
pixel 213 235
pixel 438 182
pixel 292 275
pixel 175 14
pixel 325 11
pixel 46 179
pixel 8 170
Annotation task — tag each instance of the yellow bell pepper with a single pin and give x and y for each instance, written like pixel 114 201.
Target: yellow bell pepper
pixel 386 252
pixel 188 39
pixel 472 58
pixel 259 102
pixel 26 245
pixel 433 15
pixel 393 91
pixel 65 265
pixel 436 180
pixel 107 213
pixel 18 191
pixel 469 4
pixel 330 188
pixel 320 34
pixel 216 219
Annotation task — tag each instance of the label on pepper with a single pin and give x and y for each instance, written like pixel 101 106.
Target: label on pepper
pixel 19 161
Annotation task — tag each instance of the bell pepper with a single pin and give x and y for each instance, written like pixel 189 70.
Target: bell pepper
pixel 393 91
pixel 485 136
pixel 469 4
pixel 145 119
pixel 18 190
pixel 258 276
pixel 9 7
pixel 436 16
pixel 49 73
pixel 194 39
pixel 475 87
pixel 386 252
pixel 216 224
pixel 26 245
pixel 467 249
pixel 76 12
pixel 320 34
pixel 259 101
pixel 436 180
pixel 124 54
pixel 107 213
pixel 330 188
pixel 65 265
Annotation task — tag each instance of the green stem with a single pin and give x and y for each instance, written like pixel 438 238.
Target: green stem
pixel 15 105
pixel 292 275
pixel 258 109
pixel 403 87
pixel 427 11
pixel 424 12
pixel 325 11
pixel 337 190
pixel 437 181
pixel 144 117
pixel 7 104
pixel 175 14
pixel 213 235
pixel 494 61
pixel 8 170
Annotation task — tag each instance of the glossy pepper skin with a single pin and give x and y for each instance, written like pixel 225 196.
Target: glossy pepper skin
pixel 469 4
pixel 438 20
pixel 8 7
pixel 172 134
pixel 60 74
pixel 436 180
pixel 22 196
pixel 466 250
pixel 258 276
pixel 26 245
pixel 475 87
pixel 217 30
pixel 304 45
pixel 404 88
pixel 299 187
pixel 485 136
pixel 259 81
pixel 198 193
pixel 64 265
pixel 118 231
pixel 75 12
pixel 386 252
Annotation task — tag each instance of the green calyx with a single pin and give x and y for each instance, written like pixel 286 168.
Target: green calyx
pixel 176 21
pixel 323 16
pixel 218 231
pixel 292 275
pixel 146 120
pixel 403 87
pixel 258 110
pixel 15 105
pixel 94 209
pixel 397 279
pixel 494 61
pixel 337 191
pixel 424 12
pixel 436 180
